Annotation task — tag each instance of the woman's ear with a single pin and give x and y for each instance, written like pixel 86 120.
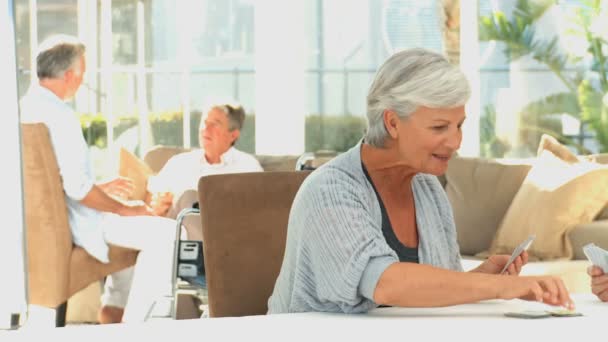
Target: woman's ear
pixel 391 120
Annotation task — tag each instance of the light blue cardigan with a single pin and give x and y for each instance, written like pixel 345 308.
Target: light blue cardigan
pixel 335 250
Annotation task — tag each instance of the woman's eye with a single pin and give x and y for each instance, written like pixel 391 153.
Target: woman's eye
pixel 440 128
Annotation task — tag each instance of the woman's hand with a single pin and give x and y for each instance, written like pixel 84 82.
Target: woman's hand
pixel 495 263
pixel 599 282
pixel 120 187
pixel 546 289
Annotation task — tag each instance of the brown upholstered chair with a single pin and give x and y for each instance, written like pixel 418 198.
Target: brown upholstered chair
pixel 244 218
pixel 56 268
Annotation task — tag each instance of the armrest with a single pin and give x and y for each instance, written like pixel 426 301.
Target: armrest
pixel 582 234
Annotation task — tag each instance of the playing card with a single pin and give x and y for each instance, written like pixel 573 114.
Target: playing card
pixel 528 314
pixel 522 247
pixel 597 256
pixel 564 313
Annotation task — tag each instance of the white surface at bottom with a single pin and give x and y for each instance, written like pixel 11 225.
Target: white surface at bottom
pixel 482 321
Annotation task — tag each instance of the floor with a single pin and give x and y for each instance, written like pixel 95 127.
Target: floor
pixel 83 307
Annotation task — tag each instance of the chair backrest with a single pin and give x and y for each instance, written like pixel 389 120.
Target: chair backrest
pixel 56 269
pixel 244 218
pixel 49 240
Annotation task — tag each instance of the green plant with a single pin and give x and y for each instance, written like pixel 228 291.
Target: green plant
pixel 334 132
pixel 338 133
pixel 586 88
pixel 490 144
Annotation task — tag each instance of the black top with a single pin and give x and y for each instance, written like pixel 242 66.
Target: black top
pixel 405 254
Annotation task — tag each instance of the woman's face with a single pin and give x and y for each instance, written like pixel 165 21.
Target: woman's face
pixel 428 138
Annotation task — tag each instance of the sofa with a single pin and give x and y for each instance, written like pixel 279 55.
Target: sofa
pixel 156 157
pixel 480 191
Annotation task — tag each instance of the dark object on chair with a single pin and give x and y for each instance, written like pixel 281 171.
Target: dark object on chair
pixel 244 218
pixel 309 161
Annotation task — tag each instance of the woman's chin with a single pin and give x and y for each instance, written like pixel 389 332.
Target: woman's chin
pixel 437 170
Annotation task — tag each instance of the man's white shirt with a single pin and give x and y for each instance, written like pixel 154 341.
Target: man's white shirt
pixel 41 105
pixel 183 170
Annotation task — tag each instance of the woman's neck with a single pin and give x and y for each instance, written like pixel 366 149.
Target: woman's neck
pixel 386 164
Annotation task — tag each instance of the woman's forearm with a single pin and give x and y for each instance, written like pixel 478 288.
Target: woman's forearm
pixel 416 285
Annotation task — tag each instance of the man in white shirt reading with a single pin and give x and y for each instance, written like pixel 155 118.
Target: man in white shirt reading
pixel 96 217
pixel 175 186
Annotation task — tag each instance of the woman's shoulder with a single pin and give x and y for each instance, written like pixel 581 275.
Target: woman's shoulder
pixel 431 186
pixel 428 180
pixel 344 168
pixel 429 189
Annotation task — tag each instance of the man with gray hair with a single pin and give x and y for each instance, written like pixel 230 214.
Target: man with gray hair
pixel 175 186
pixel 97 216
pixel 374 226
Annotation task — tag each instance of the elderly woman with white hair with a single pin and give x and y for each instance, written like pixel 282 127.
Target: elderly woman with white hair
pixel 374 226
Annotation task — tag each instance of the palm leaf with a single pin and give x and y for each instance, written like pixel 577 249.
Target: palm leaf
pixel 553 104
pixel 594 112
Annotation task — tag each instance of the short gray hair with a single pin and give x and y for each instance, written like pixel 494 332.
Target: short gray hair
pixel 56 55
pixel 235 114
pixel 407 80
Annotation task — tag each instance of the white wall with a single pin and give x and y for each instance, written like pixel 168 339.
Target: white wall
pixel 469 63
pixel 280 79
pixel 13 288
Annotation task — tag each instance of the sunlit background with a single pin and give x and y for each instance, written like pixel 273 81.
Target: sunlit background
pixel 302 68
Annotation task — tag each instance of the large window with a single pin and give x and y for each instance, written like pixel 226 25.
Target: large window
pixel 542 71
pixel 154 65
pixel 346 50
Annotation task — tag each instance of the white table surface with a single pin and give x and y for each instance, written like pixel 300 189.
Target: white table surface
pixel 483 321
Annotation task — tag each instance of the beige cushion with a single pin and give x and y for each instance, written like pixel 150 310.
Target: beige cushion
pixel 582 234
pixel 587 232
pixel 601 158
pixel 554 197
pixel 549 143
pixel 132 167
pixel 277 163
pixel 603 214
pixel 158 156
pixel 480 192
